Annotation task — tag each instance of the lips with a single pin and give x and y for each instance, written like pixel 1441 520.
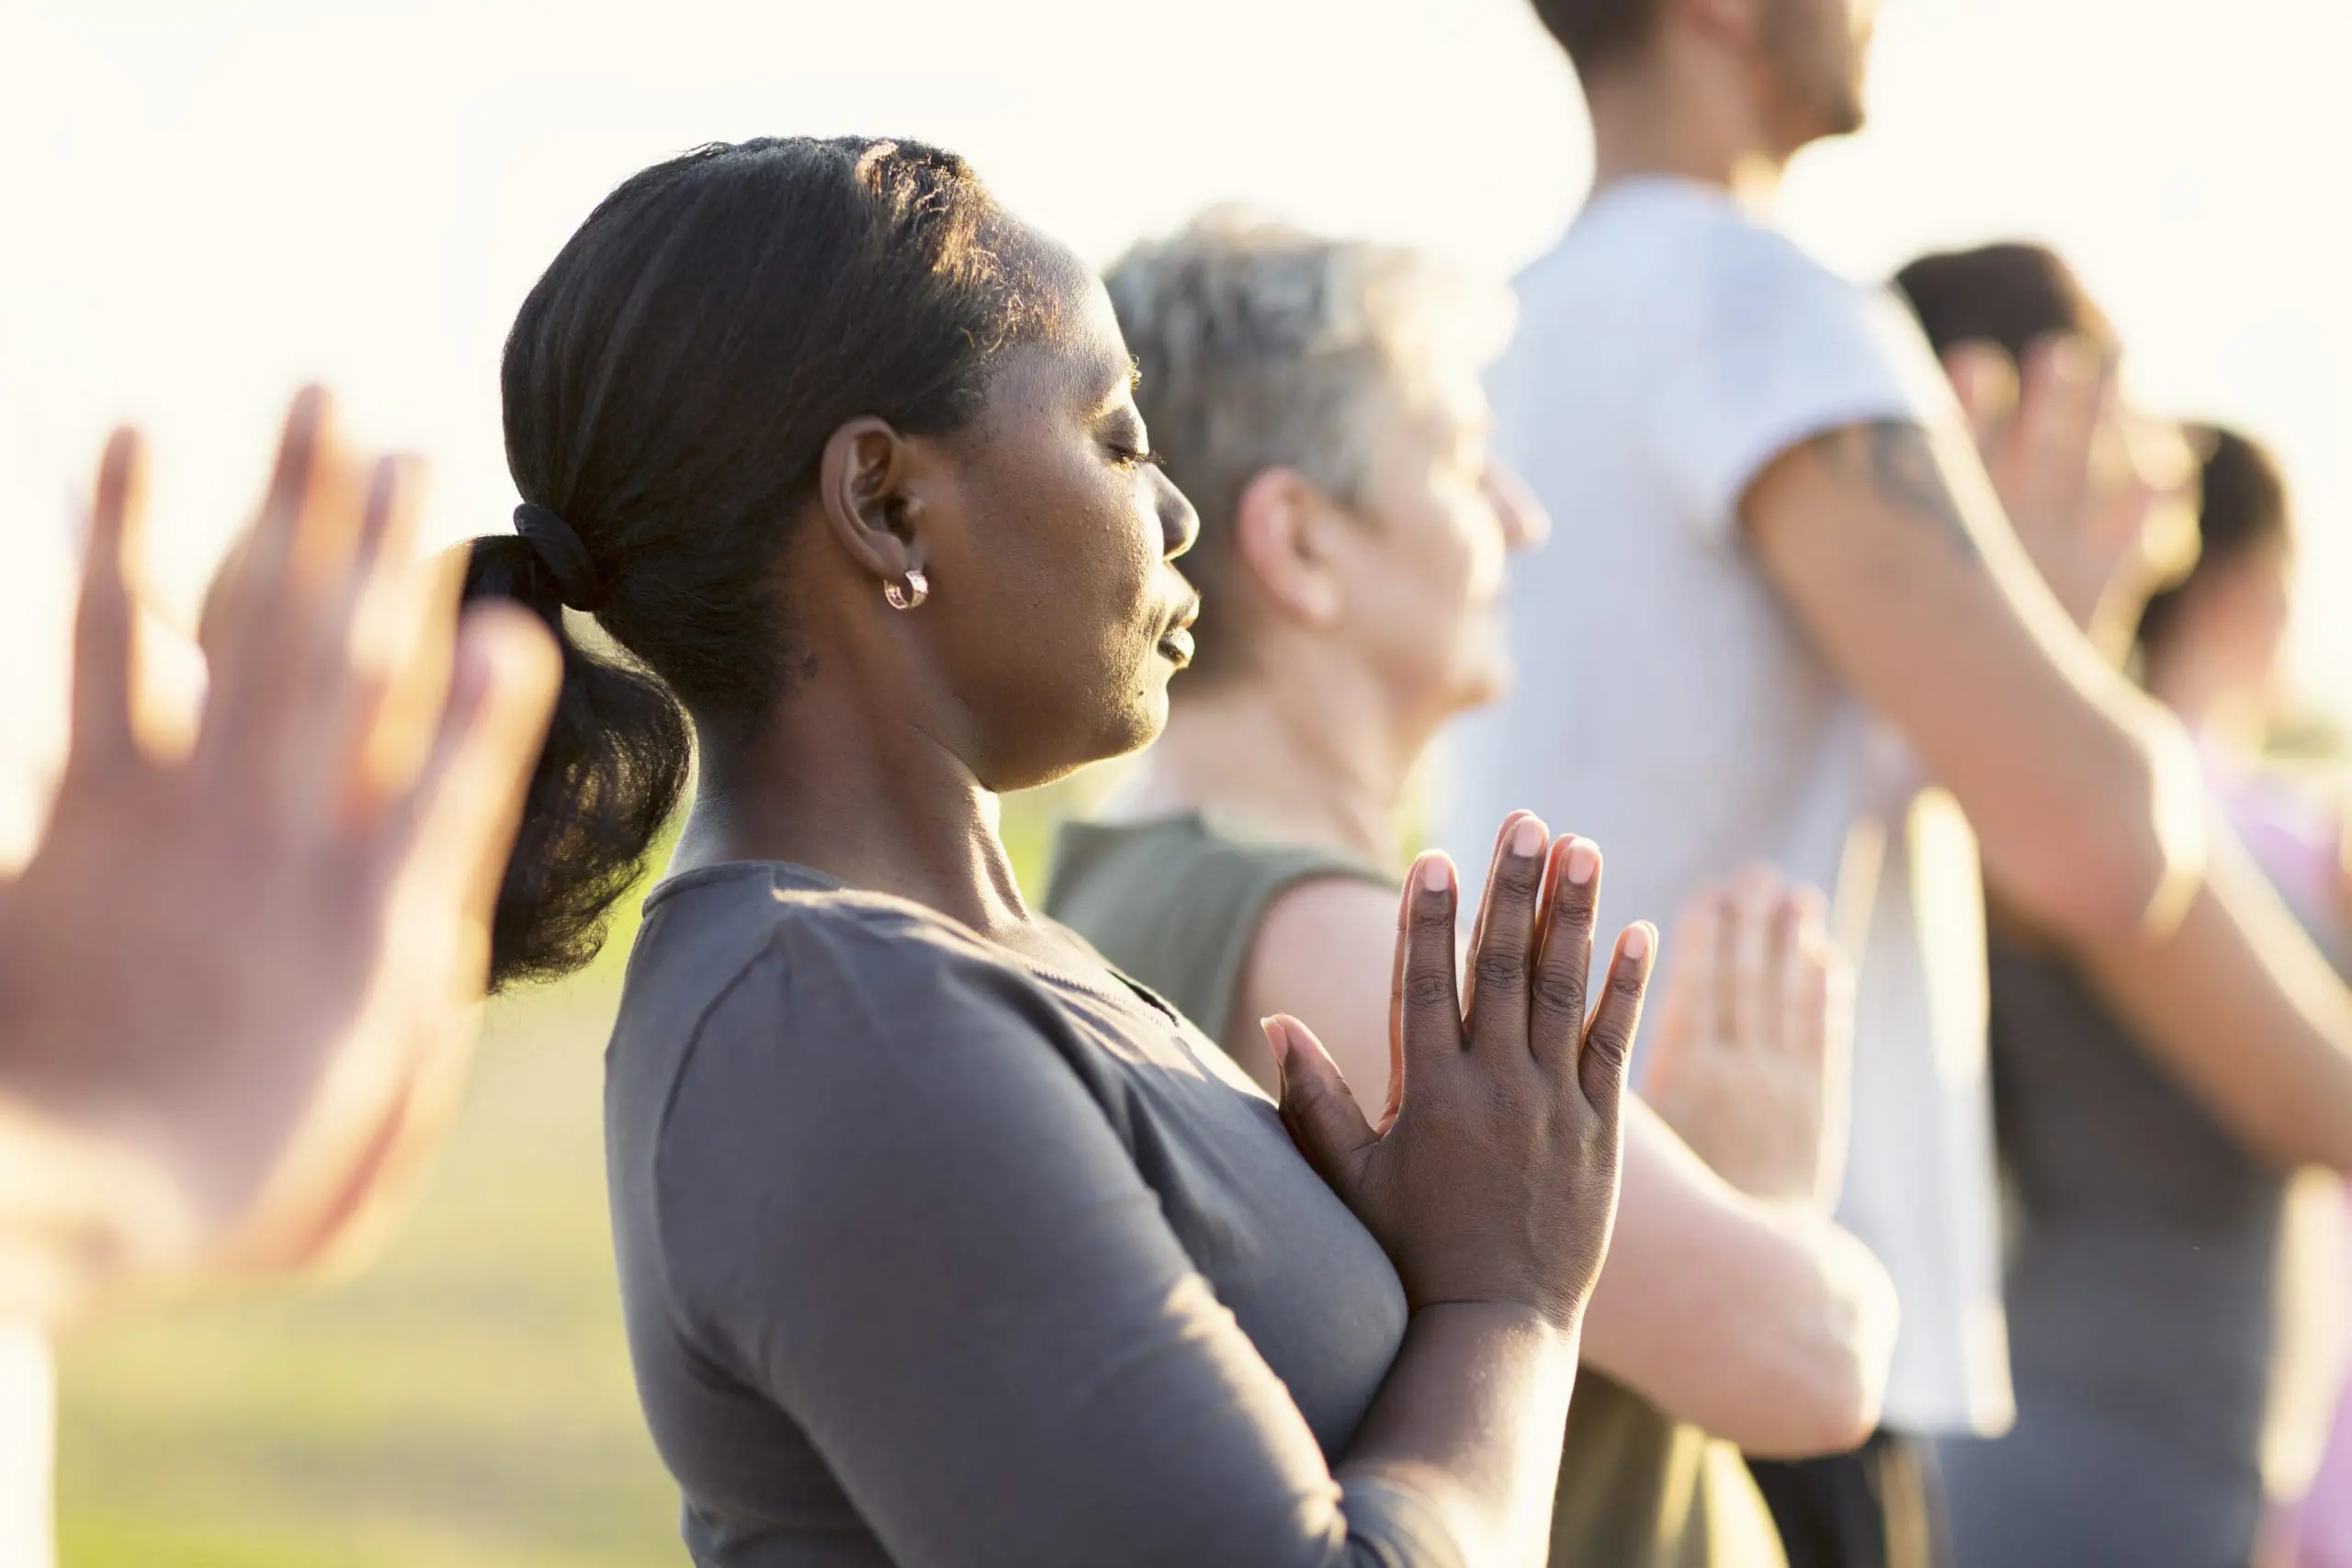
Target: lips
pixel 1176 642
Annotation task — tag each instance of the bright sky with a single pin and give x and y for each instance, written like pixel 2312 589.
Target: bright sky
pixel 208 202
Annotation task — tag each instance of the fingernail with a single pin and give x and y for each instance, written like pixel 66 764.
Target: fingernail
pixel 1433 874
pixel 1637 941
pixel 1527 839
pixel 1584 863
pixel 1277 1040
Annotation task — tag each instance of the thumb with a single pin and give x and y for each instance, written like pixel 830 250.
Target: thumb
pixel 1317 1106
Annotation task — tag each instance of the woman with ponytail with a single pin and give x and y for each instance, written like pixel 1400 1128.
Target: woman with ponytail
pixel 940 1242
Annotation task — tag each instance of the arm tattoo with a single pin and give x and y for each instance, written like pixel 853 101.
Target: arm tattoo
pixel 1897 461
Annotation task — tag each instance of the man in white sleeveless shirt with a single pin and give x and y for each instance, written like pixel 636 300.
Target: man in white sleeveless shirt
pixel 1789 620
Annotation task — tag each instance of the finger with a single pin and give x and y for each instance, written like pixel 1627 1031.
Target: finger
pixel 1984 380
pixel 1504 960
pixel 1404 896
pixel 1755 1019
pixel 1318 1108
pixel 2060 418
pixel 1697 977
pixel 1425 1003
pixel 1563 968
pixel 254 649
pixel 256 565
pixel 1609 1042
pixel 1802 961
pixel 1486 902
pixel 460 824
pixel 1688 1013
pixel 1723 965
pixel 105 621
pixel 289 678
pixel 406 638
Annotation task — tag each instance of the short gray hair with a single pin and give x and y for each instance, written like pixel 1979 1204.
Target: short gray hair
pixel 1264 346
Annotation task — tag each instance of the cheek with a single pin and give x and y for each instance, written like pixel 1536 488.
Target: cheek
pixel 1445 581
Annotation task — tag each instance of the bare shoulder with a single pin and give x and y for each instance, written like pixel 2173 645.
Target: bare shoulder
pixel 1323 953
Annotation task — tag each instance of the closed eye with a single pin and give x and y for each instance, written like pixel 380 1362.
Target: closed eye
pixel 1129 457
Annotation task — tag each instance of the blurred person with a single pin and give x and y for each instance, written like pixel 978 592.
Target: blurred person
pixel 1852 671
pixel 1319 399
pixel 2213 649
pixel 939 1241
pixel 2146 1242
pixel 237 970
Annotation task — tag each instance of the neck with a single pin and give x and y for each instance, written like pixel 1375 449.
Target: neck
pixel 1689 118
pixel 1319 758
pixel 884 808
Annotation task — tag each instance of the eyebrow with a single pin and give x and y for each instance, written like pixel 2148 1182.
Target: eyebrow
pixel 1134 380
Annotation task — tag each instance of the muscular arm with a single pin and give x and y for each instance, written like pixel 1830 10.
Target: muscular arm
pixel 1764 1325
pixel 1891 551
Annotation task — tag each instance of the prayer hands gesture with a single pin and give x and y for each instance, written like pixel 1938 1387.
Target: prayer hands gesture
pixel 1490 1174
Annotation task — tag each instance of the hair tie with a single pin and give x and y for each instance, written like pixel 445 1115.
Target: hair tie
pixel 566 557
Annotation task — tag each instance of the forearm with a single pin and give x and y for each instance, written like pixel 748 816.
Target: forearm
pixel 2237 1003
pixel 1471 1420
pixel 1765 1324
pixel 1891 551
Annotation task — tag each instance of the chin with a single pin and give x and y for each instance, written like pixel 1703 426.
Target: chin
pixel 1484 681
pixel 1135 726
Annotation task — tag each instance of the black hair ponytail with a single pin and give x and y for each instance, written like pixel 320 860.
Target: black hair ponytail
pixel 615 760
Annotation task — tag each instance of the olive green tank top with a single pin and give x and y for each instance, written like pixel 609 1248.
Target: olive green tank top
pixel 1176 901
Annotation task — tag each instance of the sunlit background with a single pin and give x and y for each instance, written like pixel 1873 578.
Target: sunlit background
pixel 208 203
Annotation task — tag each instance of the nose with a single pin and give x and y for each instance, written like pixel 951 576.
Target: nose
pixel 1525 523
pixel 1180 526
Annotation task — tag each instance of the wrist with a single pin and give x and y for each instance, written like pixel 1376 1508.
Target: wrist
pixel 1556 1328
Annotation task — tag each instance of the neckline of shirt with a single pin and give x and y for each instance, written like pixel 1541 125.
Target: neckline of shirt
pixel 808 878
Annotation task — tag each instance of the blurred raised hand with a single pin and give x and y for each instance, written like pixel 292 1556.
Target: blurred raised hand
pixel 237 975
pixel 2102 497
pixel 1752 1060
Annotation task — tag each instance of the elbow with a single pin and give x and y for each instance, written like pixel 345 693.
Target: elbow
pixel 1836 1382
pixel 2104 886
pixel 2118 864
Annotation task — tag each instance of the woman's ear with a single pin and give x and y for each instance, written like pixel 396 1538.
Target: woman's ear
pixel 864 483
pixel 1280 532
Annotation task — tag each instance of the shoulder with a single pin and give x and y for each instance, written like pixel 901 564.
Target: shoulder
pixel 1326 916
pixel 854 1033
pixel 1201 862
pixel 750 965
pixel 1324 952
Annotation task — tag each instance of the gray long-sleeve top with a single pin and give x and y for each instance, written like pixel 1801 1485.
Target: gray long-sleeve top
pixel 935 1257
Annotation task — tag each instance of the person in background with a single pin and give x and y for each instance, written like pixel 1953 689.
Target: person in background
pixel 939 1242
pixel 1319 401
pixel 2213 647
pixel 2146 1240
pixel 237 969
pixel 1855 672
